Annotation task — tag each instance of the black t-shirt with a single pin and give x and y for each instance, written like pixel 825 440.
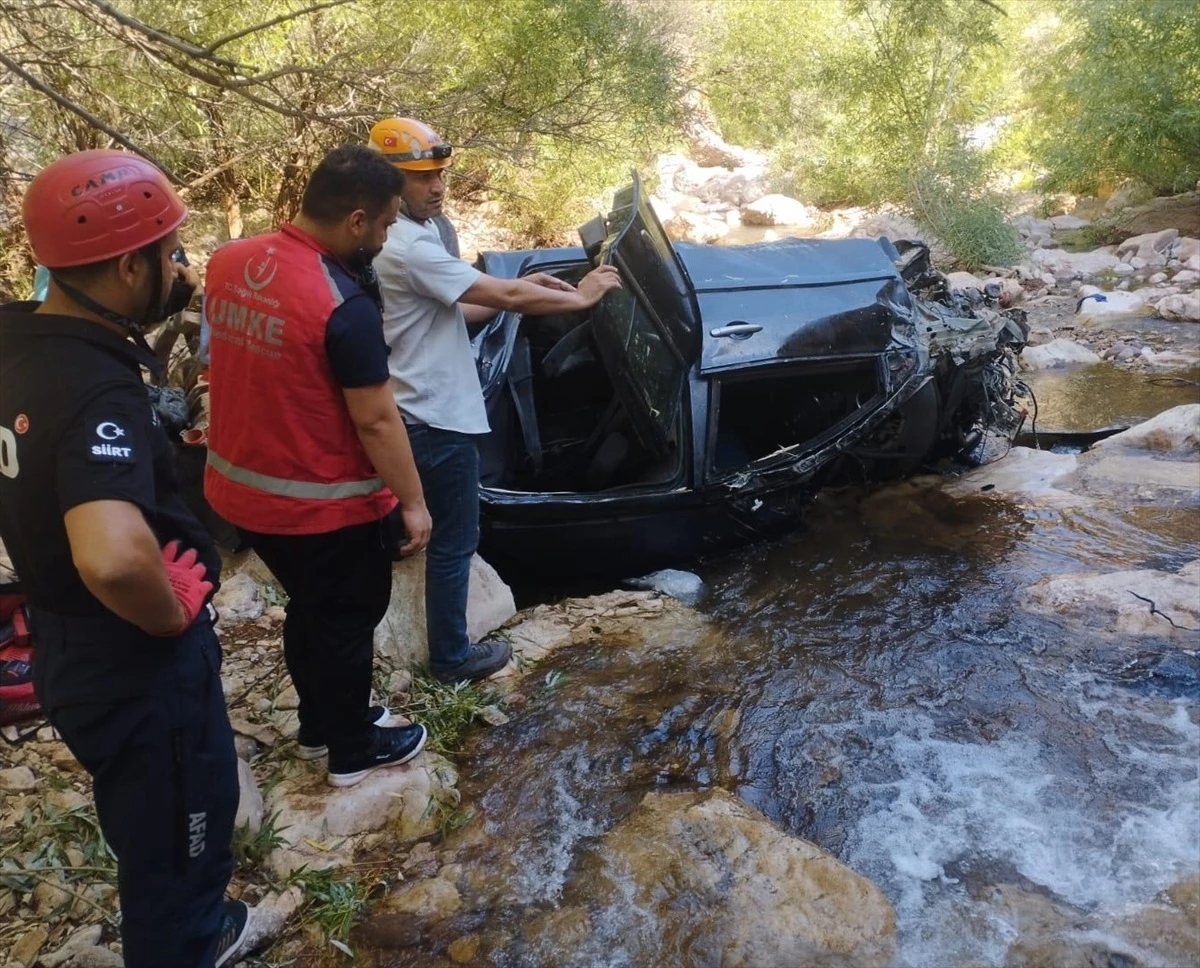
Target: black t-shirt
pixel 354 343
pixel 76 425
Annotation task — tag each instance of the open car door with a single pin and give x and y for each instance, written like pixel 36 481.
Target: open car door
pixel 647 333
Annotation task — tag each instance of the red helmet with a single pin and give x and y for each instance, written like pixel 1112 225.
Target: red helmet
pixel 96 205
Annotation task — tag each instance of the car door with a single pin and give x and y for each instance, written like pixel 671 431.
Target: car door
pixel 648 332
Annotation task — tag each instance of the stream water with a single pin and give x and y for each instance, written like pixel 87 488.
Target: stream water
pixel 872 685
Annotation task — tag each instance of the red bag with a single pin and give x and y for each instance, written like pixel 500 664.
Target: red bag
pixel 17 701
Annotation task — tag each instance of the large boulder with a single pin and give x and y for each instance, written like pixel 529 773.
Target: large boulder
pixel 1184 307
pixel 766 897
pixel 780 210
pixel 689 227
pixel 1174 430
pixel 1132 603
pixel 1056 353
pixel 321 826
pixel 1153 248
pixel 1179 212
pixel 239 599
pixel 1111 304
pixel 1073 265
pixel 401 636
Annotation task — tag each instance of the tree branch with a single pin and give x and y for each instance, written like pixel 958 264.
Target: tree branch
pixel 158 36
pixel 282 18
pixel 79 112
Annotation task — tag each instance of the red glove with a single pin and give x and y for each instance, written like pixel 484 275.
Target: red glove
pixel 186 576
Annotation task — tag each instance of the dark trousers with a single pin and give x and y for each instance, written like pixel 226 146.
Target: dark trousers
pixel 165 783
pixel 448 463
pixel 339 584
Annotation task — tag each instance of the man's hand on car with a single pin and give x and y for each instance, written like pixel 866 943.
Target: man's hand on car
pixel 548 281
pixel 418 525
pixel 596 283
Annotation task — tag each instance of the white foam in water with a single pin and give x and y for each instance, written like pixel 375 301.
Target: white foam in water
pixel 1103 838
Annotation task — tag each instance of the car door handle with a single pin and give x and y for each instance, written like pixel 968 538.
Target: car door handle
pixel 736 330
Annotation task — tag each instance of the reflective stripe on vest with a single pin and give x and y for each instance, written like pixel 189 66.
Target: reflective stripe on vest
pixel 303 490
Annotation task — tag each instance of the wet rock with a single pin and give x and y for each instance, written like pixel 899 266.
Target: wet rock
pixel 239 599
pixel 1126 603
pixel 1024 472
pixel 464 951
pixel 318 823
pixel 1177 429
pixel 1068 953
pixel 1124 270
pixel 1074 265
pixel 1056 353
pixel 17 779
pixel 1185 277
pixel 780 210
pixel 1158 278
pixel 436 898
pixel 768 898
pixel 1184 308
pixel 250 801
pixel 401 635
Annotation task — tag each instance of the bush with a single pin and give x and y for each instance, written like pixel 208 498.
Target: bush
pixel 1120 97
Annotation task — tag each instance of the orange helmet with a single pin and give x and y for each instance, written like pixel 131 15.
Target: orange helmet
pixel 411 145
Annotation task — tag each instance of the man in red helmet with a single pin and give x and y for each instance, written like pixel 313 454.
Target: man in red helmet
pixel 117 571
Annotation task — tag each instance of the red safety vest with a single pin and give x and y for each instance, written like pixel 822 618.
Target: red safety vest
pixel 283 454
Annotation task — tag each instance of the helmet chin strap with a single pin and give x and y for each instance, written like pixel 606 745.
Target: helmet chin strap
pixel 135 329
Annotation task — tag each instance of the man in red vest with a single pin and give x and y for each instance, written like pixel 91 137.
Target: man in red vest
pixel 307 452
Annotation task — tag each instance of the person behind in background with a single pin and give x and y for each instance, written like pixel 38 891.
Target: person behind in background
pixel 117 572
pixel 307 455
pixel 430 295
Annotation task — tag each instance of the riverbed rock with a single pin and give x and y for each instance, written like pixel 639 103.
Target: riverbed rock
pixel 85 937
pixel 319 824
pixel 1111 304
pixel 1023 473
pixel 1179 212
pixel 766 897
pixel 1177 429
pixel 780 210
pixel 1128 604
pixel 1066 223
pixel 1154 247
pixel 268 917
pixel 401 635
pixel 1184 307
pixel 1057 353
pixel 239 599
pixel 1074 265
pixel 699 228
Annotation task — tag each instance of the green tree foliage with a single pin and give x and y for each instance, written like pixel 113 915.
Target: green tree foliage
pixel 867 101
pixel 546 100
pixel 1119 97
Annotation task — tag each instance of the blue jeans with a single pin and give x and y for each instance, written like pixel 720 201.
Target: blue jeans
pixel 448 463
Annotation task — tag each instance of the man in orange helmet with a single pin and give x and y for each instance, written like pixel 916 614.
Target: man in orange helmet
pixel 117 571
pixel 429 297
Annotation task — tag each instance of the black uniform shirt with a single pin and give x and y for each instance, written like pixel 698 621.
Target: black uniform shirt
pixel 76 425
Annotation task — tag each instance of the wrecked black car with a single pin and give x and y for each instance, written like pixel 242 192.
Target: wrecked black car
pixel 701 406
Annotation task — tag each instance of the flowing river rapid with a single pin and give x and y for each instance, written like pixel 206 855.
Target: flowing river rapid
pixel 874 685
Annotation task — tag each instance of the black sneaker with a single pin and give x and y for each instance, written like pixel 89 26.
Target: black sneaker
pixel 392 746
pixel 235 921
pixel 483 659
pixel 309 746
